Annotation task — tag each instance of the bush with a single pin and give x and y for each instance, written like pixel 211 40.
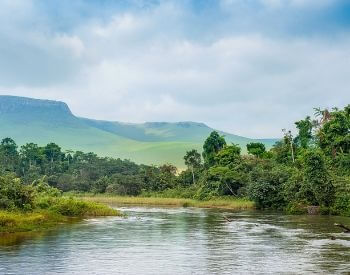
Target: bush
pixel 341 205
pixel 296 208
pixel 317 176
pixel 266 187
pixel 15 195
pixel 78 208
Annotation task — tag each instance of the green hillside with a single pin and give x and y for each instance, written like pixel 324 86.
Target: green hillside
pixel 43 121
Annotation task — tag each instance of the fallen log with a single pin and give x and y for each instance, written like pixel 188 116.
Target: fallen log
pixel 347 229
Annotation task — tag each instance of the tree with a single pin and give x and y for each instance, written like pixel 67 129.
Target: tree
pixel 69 154
pixel 192 160
pixel 333 135
pixel 31 153
pixel 8 150
pixel 256 148
pixel 224 181
pixel 228 156
pixel 304 132
pixel 212 145
pixel 317 176
pixel 288 139
pixel 166 177
pixel 52 152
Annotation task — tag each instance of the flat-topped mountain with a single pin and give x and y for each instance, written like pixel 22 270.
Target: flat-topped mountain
pixel 42 121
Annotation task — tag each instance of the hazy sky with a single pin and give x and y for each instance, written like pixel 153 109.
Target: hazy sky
pixel 250 67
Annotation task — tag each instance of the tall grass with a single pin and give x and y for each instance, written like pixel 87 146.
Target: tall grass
pixel 72 207
pixel 226 203
pixel 28 221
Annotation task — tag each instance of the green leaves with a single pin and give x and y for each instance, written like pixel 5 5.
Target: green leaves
pixel 212 145
pixel 256 148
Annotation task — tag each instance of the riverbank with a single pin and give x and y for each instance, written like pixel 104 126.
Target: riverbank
pixel 62 211
pixel 232 204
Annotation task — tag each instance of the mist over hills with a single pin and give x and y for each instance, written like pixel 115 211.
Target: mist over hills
pixel 43 121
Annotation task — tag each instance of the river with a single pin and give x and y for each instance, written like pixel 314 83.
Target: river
pixel 153 240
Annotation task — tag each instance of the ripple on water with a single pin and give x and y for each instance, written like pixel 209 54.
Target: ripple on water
pixel 154 240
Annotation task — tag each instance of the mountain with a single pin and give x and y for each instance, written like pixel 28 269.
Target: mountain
pixel 44 121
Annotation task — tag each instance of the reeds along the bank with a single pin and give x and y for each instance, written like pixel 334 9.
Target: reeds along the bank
pixel 233 204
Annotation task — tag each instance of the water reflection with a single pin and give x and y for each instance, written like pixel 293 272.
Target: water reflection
pixel 183 241
pixel 13 240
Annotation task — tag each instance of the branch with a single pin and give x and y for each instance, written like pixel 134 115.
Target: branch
pixel 347 229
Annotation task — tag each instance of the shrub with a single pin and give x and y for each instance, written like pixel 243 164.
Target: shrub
pixel 296 208
pixel 15 195
pixel 266 187
pixel 341 205
pixel 78 208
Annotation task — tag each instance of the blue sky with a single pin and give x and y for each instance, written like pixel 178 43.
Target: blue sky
pixel 250 67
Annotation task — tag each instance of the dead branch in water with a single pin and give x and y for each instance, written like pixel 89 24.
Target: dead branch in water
pixel 227 219
pixel 347 229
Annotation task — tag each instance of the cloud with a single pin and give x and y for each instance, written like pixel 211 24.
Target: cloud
pixel 160 64
pixel 71 43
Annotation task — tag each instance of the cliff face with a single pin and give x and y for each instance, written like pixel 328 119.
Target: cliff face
pixel 15 104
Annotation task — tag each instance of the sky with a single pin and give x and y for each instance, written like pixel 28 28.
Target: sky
pixel 248 67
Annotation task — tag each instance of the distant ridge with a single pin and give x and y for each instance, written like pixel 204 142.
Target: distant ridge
pixel 42 121
pixel 10 104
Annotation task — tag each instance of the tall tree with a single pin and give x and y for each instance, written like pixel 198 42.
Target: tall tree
pixel 212 145
pixel 192 160
pixel 304 136
pixel 288 139
pixel 334 134
pixel 30 153
pixel 8 149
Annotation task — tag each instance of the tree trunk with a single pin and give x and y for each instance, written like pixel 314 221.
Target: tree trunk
pixel 291 146
pixel 229 187
pixel 192 174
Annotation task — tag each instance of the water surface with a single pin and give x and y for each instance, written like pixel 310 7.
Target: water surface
pixel 183 241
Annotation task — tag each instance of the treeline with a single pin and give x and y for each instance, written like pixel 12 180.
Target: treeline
pixel 82 172
pixel 310 169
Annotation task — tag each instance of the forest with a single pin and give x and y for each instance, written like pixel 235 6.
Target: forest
pixel 308 169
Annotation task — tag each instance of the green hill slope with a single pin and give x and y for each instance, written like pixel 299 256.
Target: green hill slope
pixel 43 121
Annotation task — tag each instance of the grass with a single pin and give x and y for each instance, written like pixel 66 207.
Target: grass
pixel 225 203
pixel 72 207
pixel 23 221
pixel 50 212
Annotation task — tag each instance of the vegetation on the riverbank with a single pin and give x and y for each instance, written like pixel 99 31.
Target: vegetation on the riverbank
pixel 39 206
pixel 310 169
pixel 226 203
pixel 17 221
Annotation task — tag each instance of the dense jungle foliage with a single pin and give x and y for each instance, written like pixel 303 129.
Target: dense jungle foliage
pixel 310 169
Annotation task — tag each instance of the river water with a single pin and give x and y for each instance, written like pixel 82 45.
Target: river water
pixel 183 241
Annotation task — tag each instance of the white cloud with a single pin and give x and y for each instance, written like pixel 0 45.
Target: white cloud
pixel 145 67
pixel 72 43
